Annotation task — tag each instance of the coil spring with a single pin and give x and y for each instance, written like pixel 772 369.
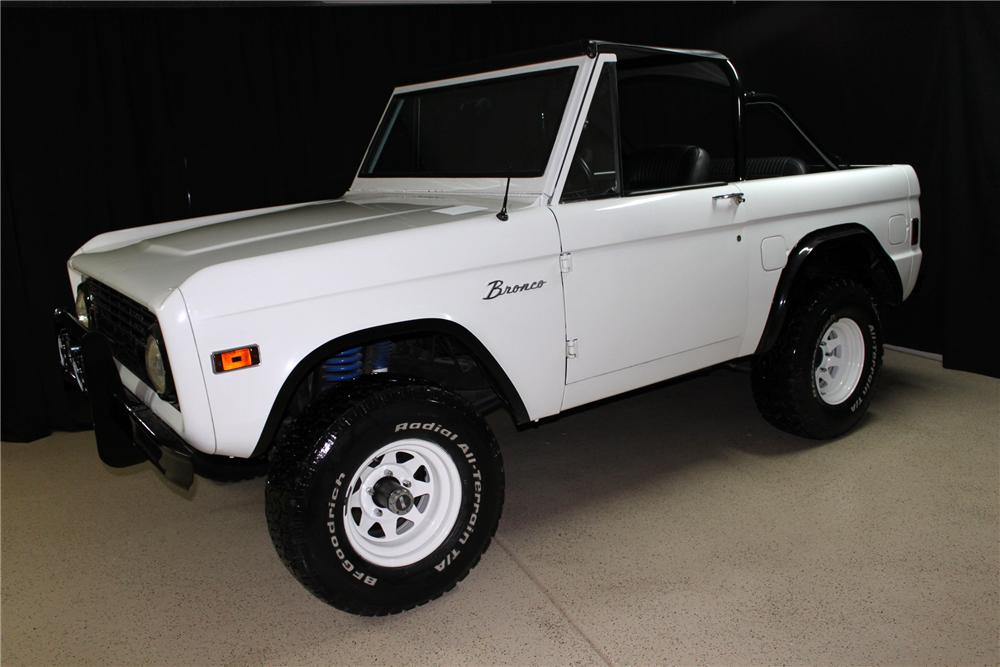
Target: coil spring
pixel 346 365
pixel 350 363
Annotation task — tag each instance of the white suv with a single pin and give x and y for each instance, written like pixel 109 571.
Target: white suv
pixel 533 237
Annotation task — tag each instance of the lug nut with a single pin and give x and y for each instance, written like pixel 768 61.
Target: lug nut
pixel 369 490
pixel 407 483
pixel 388 473
pixel 378 512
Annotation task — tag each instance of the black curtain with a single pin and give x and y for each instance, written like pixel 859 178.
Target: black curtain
pixel 115 117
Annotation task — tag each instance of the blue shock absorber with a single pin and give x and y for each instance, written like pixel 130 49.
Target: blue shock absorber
pixel 380 356
pixel 346 365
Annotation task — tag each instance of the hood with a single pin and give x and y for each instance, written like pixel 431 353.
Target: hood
pixel 148 268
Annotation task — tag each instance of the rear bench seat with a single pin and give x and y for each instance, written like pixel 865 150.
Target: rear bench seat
pixel 721 169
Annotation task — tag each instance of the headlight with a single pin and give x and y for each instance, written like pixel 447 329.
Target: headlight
pixel 82 315
pixel 156 365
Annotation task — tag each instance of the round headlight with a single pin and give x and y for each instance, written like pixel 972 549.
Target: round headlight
pixel 82 315
pixel 156 369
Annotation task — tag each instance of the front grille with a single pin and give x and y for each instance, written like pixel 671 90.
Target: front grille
pixel 124 322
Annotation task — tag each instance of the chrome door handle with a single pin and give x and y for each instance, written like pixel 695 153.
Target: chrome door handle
pixel 738 196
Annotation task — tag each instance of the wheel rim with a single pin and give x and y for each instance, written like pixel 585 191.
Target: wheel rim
pixel 840 359
pixel 403 502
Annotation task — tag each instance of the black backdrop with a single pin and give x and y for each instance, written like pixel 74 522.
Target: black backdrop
pixel 122 116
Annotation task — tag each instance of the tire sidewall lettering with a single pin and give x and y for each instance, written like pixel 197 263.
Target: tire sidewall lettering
pixel 335 540
pixel 859 396
pixel 455 545
pixel 467 456
pixel 871 363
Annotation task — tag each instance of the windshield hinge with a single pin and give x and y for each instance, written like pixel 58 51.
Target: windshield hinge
pixel 566 262
pixel 571 348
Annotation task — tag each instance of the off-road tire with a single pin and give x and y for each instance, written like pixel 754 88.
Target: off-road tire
pixel 784 385
pixel 313 464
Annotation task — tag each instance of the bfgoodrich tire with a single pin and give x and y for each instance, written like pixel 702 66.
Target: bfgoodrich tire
pixel 817 380
pixel 384 495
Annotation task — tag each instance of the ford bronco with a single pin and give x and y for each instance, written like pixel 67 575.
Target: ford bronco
pixel 533 236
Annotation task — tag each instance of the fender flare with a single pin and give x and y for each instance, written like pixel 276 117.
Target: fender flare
pixel 882 272
pixel 498 377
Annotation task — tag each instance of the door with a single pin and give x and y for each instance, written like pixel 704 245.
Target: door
pixel 654 267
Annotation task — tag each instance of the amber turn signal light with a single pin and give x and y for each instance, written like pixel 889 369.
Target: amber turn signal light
pixel 235 359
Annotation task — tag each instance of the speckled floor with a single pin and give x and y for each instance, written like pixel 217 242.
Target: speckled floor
pixel 672 526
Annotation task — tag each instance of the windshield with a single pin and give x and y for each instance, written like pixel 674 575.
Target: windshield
pixel 497 127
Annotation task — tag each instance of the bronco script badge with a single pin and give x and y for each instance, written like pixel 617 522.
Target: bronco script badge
pixel 497 288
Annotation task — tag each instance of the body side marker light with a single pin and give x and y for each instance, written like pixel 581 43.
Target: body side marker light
pixel 235 359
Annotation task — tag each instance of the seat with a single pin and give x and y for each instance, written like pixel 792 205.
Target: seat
pixel 666 166
pixel 759 167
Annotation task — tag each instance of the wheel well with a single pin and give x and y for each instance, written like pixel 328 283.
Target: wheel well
pixel 438 351
pixel 844 251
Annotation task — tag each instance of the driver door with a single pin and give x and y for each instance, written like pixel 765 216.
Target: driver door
pixel 654 265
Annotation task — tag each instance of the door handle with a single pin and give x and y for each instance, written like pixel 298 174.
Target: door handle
pixel 738 196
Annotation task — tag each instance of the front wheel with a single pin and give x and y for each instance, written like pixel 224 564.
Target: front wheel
pixel 384 495
pixel 818 378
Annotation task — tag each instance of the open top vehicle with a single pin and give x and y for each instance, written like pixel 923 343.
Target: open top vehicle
pixel 536 236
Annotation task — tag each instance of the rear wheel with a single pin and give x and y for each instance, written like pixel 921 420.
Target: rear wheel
pixel 384 495
pixel 817 379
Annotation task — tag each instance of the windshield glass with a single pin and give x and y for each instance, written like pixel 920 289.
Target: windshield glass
pixel 496 127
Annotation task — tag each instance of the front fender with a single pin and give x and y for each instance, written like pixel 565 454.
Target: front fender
pixel 498 377
pixel 296 307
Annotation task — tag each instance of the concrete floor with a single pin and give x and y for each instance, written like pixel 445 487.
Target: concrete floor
pixel 671 526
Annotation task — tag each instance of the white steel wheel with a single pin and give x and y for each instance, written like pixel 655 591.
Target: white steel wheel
pixel 403 503
pixel 840 361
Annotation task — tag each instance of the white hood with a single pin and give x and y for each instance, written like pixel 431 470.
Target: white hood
pixel 147 263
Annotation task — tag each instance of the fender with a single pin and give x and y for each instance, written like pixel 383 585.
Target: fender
pixel 882 273
pixel 497 376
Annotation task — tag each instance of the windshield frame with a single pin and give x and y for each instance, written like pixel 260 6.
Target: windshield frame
pixel 383 134
pixel 542 184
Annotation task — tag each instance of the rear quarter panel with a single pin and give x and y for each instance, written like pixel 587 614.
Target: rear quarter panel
pixel 792 206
